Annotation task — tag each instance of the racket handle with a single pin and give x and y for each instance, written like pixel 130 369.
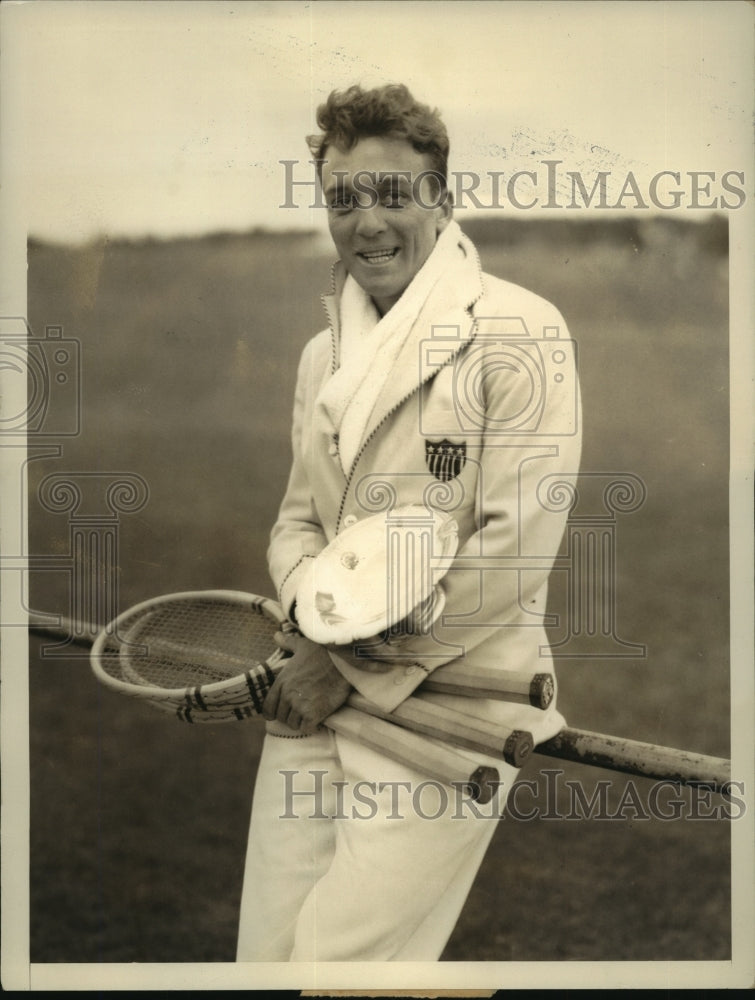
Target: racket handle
pixel 490 682
pixel 440 762
pixel 424 716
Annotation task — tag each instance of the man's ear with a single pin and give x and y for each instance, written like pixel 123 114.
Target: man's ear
pixel 445 213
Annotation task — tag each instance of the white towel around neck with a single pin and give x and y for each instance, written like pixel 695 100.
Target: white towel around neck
pixel 370 345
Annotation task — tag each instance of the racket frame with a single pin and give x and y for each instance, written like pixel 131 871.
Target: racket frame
pixel 180 698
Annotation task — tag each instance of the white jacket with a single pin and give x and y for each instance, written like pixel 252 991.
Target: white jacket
pixel 487 367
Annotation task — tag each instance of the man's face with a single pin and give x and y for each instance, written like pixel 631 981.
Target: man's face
pixel 384 218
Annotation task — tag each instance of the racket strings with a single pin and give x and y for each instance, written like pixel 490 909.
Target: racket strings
pixel 190 643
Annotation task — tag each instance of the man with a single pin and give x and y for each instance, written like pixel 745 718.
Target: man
pixel 424 355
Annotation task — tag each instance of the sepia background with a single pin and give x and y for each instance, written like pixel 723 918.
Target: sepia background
pixel 152 138
pixel 189 352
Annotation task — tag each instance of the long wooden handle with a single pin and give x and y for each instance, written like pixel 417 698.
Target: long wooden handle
pixel 635 757
pixel 581 746
pixel 490 682
pixel 423 716
pixel 437 761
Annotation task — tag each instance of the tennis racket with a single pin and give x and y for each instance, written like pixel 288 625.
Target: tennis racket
pixel 209 656
pixel 206 656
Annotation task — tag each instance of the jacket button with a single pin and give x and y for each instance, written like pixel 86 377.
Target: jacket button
pixel 349 520
pixel 410 670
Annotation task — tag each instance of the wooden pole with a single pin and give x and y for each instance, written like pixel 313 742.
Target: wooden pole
pixel 634 757
pixel 513 746
pixel 438 761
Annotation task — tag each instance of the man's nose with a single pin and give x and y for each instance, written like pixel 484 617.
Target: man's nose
pixel 370 220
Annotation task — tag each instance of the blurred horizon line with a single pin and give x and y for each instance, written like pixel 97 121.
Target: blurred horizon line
pixel 481 227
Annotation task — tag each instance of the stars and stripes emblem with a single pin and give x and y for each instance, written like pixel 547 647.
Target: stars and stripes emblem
pixel 444 459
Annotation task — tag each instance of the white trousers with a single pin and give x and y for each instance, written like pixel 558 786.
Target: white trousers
pixel 353 857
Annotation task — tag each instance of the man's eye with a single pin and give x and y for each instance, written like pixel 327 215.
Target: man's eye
pixel 395 199
pixel 342 203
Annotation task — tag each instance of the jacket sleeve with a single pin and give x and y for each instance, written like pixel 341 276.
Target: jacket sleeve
pixel 498 579
pixel 297 534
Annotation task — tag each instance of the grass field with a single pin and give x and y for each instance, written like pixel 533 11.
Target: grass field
pixel 189 351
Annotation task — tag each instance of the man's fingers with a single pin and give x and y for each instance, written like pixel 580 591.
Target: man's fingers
pixel 286 641
pixel 294 719
pixel 270 705
pixel 286 710
pixel 308 687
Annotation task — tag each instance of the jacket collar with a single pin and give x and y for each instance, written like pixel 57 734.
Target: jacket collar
pixel 427 348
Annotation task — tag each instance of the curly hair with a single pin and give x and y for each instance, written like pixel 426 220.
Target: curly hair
pixel 391 110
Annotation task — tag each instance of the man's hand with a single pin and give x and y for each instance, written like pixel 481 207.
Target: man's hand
pixel 308 687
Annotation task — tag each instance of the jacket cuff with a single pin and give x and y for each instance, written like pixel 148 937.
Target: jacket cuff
pixel 387 689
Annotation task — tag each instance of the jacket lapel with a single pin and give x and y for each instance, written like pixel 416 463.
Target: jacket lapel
pixel 330 303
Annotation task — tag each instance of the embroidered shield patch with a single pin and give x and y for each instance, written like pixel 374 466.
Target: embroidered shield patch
pixel 444 459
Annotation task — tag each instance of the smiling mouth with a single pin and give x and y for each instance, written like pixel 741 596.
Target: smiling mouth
pixel 382 256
